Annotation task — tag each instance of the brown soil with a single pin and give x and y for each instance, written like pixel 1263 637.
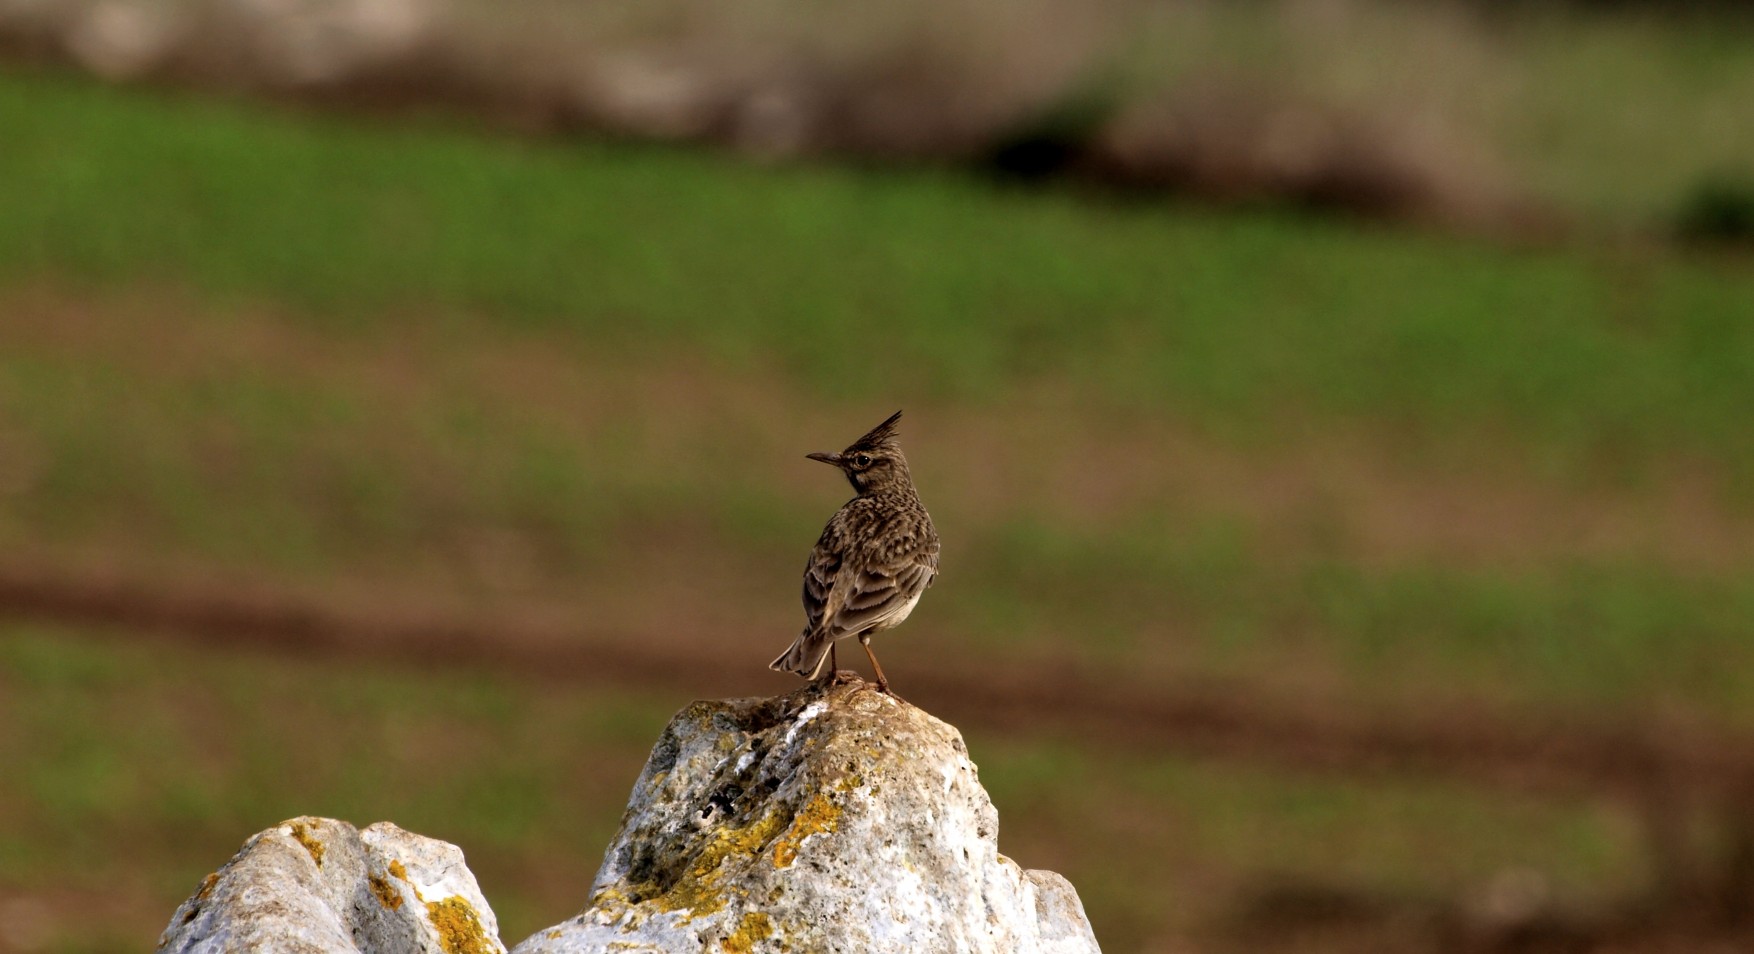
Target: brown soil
pixel 122 915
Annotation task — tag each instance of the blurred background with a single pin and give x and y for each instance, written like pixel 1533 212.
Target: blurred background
pixel 1336 414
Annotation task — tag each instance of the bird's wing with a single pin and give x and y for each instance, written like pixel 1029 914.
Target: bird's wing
pixel 928 558
pixel 866 596
pixel 820 573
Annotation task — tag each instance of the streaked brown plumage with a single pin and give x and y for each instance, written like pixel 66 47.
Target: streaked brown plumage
pixel 876 556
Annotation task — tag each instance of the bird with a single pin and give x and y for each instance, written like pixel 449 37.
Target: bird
pixel 875 557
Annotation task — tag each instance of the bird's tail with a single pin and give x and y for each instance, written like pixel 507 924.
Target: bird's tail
pixel 805 656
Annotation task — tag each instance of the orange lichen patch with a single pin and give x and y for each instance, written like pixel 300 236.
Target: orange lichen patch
pixel 302 835
pixel 459 929
pixel 399 871
pixel 386 892
pixel 820 815
pixel 201 894
pixel 755 926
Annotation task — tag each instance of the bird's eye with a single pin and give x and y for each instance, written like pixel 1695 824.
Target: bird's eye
pixel 863 460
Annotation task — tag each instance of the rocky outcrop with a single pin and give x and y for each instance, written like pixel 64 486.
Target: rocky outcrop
pixel 320 885
pixel 827 820
pixel 933 81
pixel 833 819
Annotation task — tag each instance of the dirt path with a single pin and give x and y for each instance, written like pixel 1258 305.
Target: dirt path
pixel 1645 762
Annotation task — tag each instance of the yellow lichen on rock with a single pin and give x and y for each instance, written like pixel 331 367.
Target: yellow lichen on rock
pixel 820 815
pixel 611 895
pixel 459 929
pixel 302 835
pixel 699 890
pixel 397 870
pixel 386 893
pixel 755 926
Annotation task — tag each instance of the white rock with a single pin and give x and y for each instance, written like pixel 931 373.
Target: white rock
pixel 325 41
pixel 827 820
pixel 320 885
pixel 119 40
pixel 831 820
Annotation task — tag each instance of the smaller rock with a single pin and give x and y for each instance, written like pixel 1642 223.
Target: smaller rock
pixel 317 884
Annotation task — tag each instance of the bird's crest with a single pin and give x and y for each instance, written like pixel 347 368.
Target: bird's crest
pixel 883 435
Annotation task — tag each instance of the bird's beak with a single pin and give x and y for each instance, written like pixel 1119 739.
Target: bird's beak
pixel 825 458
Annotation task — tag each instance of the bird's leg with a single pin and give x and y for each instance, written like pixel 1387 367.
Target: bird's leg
pixel 836 675
pixel 882 682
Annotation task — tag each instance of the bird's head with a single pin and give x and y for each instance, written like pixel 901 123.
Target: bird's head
pixel 874 462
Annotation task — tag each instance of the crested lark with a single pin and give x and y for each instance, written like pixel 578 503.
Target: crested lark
pixel 876 556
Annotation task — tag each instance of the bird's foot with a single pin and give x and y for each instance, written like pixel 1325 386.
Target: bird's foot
pixel 883 687
pixel 845 677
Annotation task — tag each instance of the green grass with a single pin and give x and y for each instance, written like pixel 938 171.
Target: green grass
pixel 1234 321
pixel 136 769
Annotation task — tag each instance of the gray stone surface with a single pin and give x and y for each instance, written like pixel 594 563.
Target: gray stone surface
pixel 320 885
pixel 827 820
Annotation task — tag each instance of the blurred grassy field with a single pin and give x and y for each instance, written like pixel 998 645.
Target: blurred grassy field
pixel 1370 468
pixel 1589 359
